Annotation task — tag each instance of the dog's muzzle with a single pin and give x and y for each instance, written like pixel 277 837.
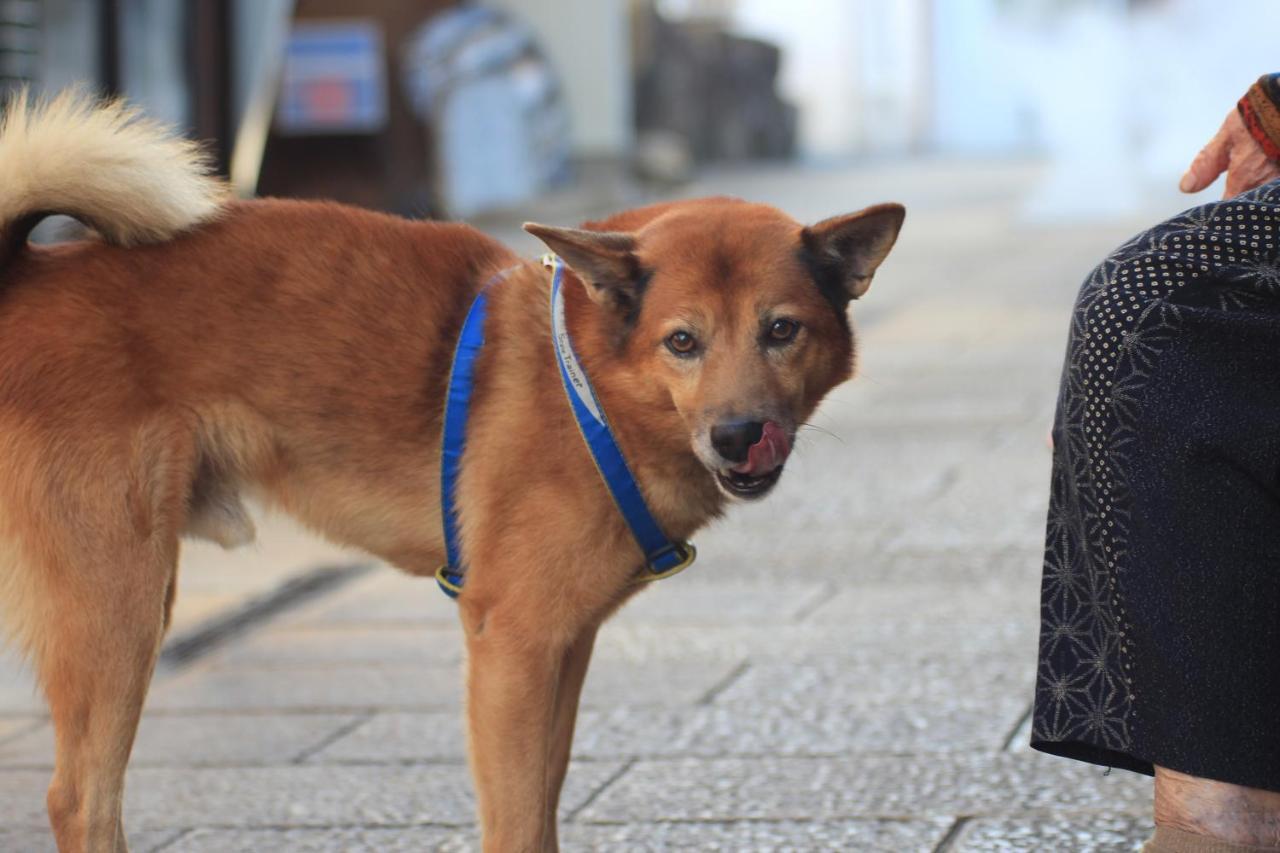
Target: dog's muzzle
pixel 756 452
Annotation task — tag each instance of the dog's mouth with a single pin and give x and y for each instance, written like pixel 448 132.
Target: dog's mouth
pixel 748 486
pixel 756 475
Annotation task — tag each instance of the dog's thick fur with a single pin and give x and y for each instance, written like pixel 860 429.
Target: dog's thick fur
pixel 203 349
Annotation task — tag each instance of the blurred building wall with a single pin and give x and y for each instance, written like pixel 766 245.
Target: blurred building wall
pixel 19 42
pixel 165 56
pixel 153 57
pixel 1143 78
pixel 588 43
pixel 68 43
pixel 857 69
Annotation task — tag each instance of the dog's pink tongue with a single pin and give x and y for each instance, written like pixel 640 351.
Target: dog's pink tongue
pixel 767 453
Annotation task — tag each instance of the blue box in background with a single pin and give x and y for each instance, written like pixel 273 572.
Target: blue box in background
pixel 334 79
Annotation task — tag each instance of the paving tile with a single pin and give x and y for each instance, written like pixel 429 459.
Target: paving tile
pixel 1094 834
pixel 400 736
pixel 328 840
pixel 12 728
pixel 937 603
pixel 18 694
pixel 903 400
pixel 823 516
pixel 313 688
pixel 863 835
pixel 615 733
pixel 694 601
pixel 892 636
pixel 929 562
pixel 289 647
pixel 872 836
pixel 402 686
pixel 873 682
pixel 201 739
pixel 213 581
pixel 41 840
pixel 299 796
pixel 377 601
pixel 383 596
pixel 910 786
pixel 959 724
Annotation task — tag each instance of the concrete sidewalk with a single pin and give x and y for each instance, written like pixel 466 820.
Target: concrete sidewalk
pixel 848 667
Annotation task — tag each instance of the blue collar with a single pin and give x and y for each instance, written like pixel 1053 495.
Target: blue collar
pixel 663 557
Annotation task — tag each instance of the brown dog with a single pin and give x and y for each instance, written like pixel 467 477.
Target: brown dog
pixel 203 349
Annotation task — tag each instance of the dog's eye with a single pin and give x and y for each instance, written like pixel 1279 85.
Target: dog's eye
pixel 783 331
pixel 682 343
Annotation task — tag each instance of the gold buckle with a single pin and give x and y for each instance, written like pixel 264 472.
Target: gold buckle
pixel 443 580
pixel 690 554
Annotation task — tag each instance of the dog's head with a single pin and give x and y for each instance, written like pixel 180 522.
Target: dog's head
pixel 731 312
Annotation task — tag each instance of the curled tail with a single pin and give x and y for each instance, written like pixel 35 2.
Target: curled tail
pixel 131 179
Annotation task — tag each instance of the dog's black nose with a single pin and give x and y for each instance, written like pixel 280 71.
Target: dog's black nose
pixel 734 439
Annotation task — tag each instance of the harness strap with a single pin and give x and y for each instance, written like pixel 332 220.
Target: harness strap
pixel 663 557
pixel 457 409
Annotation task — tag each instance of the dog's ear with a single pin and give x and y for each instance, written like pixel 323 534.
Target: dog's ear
pixel 849 248
pixel 604 260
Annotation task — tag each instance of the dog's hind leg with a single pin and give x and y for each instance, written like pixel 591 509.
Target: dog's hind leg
pixel 95 668
pixel 108 559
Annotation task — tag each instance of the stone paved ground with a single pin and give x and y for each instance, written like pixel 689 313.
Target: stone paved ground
pixel 849 666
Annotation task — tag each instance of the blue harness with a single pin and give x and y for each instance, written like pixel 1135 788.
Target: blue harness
pixel 663 557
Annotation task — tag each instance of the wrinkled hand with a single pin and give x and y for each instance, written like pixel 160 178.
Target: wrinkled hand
pixel 1234 151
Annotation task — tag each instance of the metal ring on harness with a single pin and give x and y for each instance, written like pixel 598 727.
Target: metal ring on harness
pixel 688 552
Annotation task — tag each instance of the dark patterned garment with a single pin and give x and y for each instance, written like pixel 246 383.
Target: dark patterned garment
pixel 1160 633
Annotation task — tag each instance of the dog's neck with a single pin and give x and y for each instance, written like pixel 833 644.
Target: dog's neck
pixel 650 431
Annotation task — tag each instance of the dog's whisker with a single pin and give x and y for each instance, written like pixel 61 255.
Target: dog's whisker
pixel 822 430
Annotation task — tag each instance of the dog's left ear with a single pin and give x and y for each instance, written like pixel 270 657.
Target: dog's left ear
pixel 604 260
pixel 853 246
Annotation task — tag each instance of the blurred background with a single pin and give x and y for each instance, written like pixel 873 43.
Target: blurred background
pixel 440 108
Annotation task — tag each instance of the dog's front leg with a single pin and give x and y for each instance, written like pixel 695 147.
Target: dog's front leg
pixel 514 664
pixel 573 672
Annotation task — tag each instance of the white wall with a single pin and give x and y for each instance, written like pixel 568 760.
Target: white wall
pixel 588 43
pixel 857 69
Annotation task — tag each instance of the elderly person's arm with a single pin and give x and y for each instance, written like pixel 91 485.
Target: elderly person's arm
pixel 1246 147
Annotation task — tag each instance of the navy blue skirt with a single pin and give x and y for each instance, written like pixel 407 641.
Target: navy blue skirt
pixel 1160 614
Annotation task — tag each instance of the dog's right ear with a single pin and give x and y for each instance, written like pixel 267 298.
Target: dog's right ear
pixel 850 248
pixel 604 260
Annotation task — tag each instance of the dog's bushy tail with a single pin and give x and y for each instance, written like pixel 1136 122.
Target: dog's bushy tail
pixel 129 178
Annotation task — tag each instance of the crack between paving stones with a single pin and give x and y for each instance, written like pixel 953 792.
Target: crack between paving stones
pixel 333 737
pixel 308 827
pixel 181 650
pixel 1017 727
pixel 169 842
pixel 613 777
pixel 953 833
pixel 724 684
pixel 731 819
pixel 820 597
